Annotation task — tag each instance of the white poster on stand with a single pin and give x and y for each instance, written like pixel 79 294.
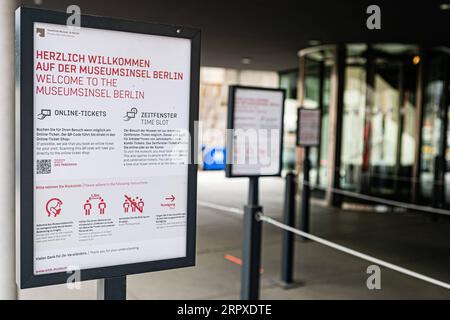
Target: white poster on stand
pixel 257 123
pixel 308 127
pixel 111 147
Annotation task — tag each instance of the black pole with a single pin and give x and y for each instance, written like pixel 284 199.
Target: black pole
pixel 304 226
pixel 287 258
pixel 251 247
pixel 112 288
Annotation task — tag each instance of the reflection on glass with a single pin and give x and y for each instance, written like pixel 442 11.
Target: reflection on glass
pixel 288 81
pixel 434 160
pixel 317 88
pixel 381 138
pixel 353 127
pixel 431 127
pixel 378 130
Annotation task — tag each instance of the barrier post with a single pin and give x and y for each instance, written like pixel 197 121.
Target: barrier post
pixel 287 258
pixel 112 288
pixel 251 247
pixel 304 222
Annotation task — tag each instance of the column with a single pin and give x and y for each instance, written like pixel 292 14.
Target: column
pixel 7 254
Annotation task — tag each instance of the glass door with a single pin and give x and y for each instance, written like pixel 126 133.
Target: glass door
pixel 389 130
pixel 434 176
pixel 354 110
pixel 317 65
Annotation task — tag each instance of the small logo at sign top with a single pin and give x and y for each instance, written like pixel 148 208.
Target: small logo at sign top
pixel 53 207
pixel 40 32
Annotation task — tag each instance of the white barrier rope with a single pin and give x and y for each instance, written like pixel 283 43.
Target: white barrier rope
pixel 236 211
pixel 388 202
pixel 330 244
pixel 352 252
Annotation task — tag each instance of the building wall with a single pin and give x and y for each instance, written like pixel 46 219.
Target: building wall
pixel 214 84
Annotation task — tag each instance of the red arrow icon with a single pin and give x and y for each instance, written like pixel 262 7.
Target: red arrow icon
pixel 171 198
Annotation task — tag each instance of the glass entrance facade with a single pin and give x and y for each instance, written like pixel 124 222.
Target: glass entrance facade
pixel 316 95
pixel 393 119
pixel 434 176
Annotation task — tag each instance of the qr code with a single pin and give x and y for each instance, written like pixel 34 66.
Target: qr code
pixel 44 166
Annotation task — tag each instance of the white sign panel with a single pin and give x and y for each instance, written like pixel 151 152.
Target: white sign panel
pixel 308 127
pixel 256 116
pixel 111 119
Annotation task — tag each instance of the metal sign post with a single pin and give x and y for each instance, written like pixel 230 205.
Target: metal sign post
pixel 287 257
pixel 253 112
pixel 112 288
pixel 308 135
pixel 306 192
pixel 251 246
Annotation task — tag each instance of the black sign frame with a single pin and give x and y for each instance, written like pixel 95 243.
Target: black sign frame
pixel 297 134
pixel 25 19
pixel 230 128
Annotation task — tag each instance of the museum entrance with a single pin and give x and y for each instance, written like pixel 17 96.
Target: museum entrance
pixel 390 121
pixel 434 166
pixel 394 132
pixel 316 73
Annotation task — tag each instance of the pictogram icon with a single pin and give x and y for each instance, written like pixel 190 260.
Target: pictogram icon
pixel 133 204
pixel 88 205
pixel 171 198
pixel 53 207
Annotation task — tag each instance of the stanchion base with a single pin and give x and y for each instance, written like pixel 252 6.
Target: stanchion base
pixel 287 286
